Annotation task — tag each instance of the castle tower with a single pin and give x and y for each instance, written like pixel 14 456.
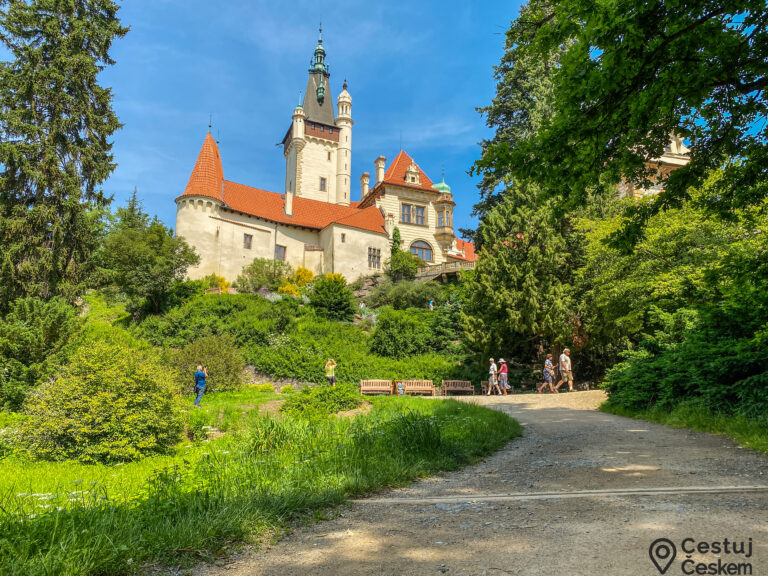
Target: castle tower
pixel 344 151
pixel 318 146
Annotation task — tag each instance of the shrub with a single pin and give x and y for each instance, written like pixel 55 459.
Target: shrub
pixel 219 354
pixel 197 424
pixel 32 339
pixel 406 294
pixel 403 265
pixel 266 387
pixel 302 277
pixel 320 401
pixel 212 281
pixel 332 298
pixel 289 289
pixel 113 402
pixel 400 333
pixel 262 273
pixel 287 389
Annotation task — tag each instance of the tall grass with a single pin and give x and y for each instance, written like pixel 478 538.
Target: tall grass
pixel 749 432
pixel 261 478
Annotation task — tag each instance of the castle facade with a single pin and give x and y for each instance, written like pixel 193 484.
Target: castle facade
pixel 314 222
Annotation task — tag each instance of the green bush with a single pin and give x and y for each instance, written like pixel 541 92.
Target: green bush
pixel 263 274
pixel 332 298
pixel 287 389
pixel 403 265
pixel 267 387
pixel 401 333
pixel 33 336
pixel 219 355
pixel 197 424
pixel 320 401
pixel 406 294
pixel 113 402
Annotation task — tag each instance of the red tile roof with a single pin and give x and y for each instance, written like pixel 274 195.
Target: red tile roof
pixel 468 248
pixel 207 175
pixel 207 180
pixel 395 174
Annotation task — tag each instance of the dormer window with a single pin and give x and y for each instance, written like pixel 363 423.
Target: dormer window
pixel 412 175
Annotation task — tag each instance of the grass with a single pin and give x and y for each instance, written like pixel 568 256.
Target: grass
pixel 749 432
pixel 68 518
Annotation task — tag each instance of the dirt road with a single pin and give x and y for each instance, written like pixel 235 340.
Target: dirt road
pixel 581 493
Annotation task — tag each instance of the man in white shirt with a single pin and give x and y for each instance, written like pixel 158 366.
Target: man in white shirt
pixel 565 370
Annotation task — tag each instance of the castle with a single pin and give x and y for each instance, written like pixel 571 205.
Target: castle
pixel 314 223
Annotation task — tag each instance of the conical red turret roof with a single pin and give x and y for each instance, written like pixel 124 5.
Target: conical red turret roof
pixel 207 178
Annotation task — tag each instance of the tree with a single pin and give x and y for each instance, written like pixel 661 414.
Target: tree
pixel 395 241
pixel 332 298
pixel 522 104
pixel 403 265
pixel 55 125
pixel 145 260
pixel 633 75
pixel 520 297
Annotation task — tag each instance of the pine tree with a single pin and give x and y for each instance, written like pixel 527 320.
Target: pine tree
pixel 55 125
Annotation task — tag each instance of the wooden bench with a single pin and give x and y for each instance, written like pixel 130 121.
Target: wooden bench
pixel 457 386
pixel 419 387
pixel 376 387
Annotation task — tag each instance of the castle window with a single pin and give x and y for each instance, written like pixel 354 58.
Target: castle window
pixel 422 250
pixel 440 219
pixel 279 252
pixel 418 215
pixel 329 156
pixel 313 125
pixel 343 237
pixel 330 130
pixel 247 241
pixel 322 128
pixel 405 213
pixel 374 258
pixel 323 183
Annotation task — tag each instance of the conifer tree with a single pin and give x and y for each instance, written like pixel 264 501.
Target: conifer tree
pixel 55 125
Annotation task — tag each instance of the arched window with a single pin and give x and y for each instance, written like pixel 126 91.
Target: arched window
pixel 422 250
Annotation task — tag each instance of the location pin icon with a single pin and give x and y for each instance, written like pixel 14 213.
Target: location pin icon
pixel 662 553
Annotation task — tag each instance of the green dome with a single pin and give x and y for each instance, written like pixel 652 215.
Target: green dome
pixel 442 187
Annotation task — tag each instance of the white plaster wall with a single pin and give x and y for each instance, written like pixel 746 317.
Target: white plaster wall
pixel 350 257
pixel 315 164
pixel 193 223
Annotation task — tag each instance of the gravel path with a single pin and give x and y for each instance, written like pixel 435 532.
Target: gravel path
pixel 581 492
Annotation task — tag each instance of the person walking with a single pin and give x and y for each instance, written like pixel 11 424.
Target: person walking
pixel 330 372
pixel 549 375
pixel 503 381
pixel 492 383
pixel 200 376
pixel 565 370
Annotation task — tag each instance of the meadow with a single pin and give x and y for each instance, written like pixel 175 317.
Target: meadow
pixel 253 478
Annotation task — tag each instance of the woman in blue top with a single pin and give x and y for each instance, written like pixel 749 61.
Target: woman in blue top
pixel 200 376
pixel 548 373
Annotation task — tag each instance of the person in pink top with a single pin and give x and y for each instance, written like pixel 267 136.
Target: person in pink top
pixel 503 376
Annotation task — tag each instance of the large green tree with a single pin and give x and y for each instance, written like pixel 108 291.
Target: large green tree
pixel 634 73
pixel 55 150
pixel 523 102
pixel 144 259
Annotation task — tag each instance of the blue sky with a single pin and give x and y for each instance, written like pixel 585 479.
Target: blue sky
pixel 414 68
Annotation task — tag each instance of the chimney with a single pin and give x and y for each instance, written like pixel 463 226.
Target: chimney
pixel 364 180
pixel 380 161
pixel 289 202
